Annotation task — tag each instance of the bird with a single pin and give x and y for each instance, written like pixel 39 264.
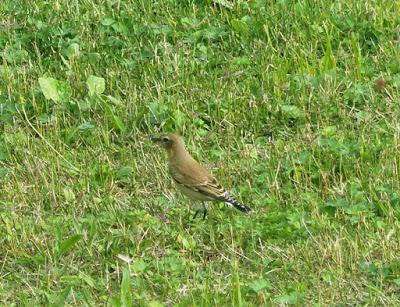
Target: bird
pixel 192 179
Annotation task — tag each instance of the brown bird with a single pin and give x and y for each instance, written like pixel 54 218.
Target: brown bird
pixel 192 179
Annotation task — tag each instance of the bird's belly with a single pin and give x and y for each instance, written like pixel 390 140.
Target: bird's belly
pixel 192 194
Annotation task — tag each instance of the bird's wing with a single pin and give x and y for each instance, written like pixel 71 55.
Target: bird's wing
pixel 212 189
pixel 193 176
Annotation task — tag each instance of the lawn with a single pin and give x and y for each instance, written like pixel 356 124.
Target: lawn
pixel 294 105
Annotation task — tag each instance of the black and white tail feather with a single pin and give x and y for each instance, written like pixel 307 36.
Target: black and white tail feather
pixel 230 201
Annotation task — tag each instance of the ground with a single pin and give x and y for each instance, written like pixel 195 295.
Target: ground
pixel 294 105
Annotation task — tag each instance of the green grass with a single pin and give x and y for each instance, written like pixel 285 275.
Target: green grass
pixel 280 97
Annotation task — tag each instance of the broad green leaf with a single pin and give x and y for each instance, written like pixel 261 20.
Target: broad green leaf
pixel 139 266
pixel 72 51
pixel 85 126
pixel 69 243
pixel 54 89
pixel 124 172
pixel 16 55
pixel 108 21
pixel 96 85
pixel 329 131
pixel 3 172
pixel 290 298
pixel 93 57
pixel 69 195
pixel 240 26
pixel 186 242
pixel 49 88
pixel 259 284
pixel 243 60
pixel 46 119
pixel 292 111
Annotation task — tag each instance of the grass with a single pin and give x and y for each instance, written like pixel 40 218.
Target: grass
pixel 295 104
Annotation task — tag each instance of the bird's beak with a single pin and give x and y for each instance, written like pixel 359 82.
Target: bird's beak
pixel 155 139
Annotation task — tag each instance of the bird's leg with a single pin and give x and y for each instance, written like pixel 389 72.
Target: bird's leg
pixel 196 213
pixel 197 208
pixel 205 211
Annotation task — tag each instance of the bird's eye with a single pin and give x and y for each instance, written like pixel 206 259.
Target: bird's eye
pixel 165 139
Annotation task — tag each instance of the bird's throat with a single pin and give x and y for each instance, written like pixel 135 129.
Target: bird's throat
pixel 176 153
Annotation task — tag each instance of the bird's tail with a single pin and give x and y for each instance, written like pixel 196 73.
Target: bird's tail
pixel 229 200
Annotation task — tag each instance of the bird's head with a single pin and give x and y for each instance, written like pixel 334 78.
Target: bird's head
pixel 170 142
